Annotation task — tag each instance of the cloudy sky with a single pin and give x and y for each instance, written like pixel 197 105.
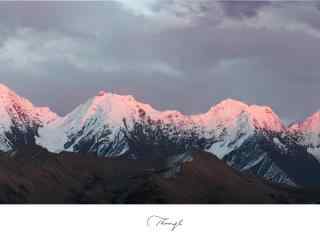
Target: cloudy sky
pixel 173 54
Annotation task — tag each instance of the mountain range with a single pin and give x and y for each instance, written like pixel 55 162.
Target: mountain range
pixel 251 139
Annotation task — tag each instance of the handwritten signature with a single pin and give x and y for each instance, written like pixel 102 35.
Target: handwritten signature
pixel 157 221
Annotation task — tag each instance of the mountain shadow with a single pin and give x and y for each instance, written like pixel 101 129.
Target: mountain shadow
pixel 33 175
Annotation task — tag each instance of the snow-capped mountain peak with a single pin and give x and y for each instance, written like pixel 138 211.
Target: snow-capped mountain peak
pixel 229 113
pixel 232 122
pixel 103 114
pixel 311 124
pixel 14 107
pixel 225 112
pixel 308 134
pixel 229 103
pixel 20 119
pixel 264 117
pixel 114 108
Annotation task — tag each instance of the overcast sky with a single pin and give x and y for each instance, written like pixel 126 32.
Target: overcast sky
pixel 174 54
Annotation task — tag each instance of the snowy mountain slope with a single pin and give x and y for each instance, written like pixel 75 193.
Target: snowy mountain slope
pixel 253 138
pixel 307 134
pixel 19 119
pixel 232 122
pixel 97 121
pixel 276 157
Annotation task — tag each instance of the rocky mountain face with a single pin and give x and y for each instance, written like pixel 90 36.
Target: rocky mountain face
pixel 276 157
pixel 248 138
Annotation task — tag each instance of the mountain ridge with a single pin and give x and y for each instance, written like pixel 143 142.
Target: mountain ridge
pixel 294 124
